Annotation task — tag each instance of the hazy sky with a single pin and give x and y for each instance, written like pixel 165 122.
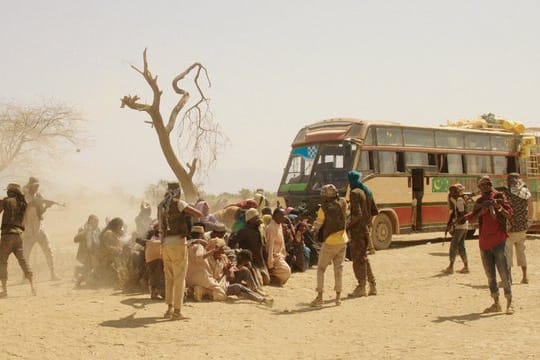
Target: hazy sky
pixel 275 66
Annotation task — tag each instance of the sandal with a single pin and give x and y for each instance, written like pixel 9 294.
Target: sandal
pixel 494 308
pixel 509 310
pixel 464 271
pixel 176 315
pixel 447 271
pixel 318 302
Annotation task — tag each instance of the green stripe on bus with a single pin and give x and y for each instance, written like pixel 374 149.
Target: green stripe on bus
pixel 293 187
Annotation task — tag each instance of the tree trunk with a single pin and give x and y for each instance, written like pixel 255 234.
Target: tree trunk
pixel 186 181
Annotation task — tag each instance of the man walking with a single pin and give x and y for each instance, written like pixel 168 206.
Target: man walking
pixel 362 209
pixel 458 227
pixel 518 194
pixel 331 217
pixel 492 210
pixel 174 223
pixel 13 208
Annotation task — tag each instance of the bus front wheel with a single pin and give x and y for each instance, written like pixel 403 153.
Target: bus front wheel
pixel 381 233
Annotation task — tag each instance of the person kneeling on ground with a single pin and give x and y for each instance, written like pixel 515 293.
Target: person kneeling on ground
pixel 209 274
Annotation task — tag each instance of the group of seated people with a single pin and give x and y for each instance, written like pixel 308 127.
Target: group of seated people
pixel 221 263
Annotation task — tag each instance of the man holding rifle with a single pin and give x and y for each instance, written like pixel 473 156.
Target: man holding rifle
pixel 493 210
pixel 34 233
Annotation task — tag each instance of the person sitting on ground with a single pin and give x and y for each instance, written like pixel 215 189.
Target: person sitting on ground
pixel 210 272
pixel 299 253
pixel 154 262
pixel 275 246
pixel 111 251
pixel 250 238
pixel 88 251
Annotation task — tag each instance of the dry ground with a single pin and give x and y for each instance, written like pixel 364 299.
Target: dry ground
pixel 418 314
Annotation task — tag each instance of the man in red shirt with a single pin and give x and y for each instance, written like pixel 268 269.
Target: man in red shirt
pixel 492 210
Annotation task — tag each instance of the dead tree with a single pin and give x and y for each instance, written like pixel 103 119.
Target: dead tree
pixel 202 136
pixel 27 131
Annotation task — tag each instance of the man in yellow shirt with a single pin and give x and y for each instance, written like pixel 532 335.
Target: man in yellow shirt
pixel 331 221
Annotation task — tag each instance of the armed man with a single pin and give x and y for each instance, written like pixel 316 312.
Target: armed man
pixel 34 233
pixel 13 207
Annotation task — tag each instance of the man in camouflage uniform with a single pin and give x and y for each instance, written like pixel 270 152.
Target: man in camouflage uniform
pixel 13 208
pixel 331 221
pixel 362 209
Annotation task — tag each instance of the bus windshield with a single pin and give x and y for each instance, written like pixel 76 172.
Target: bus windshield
pixel 325 163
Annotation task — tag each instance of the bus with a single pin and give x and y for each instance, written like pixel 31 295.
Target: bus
pixel 408 168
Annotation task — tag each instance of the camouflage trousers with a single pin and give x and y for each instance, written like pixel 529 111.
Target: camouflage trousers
pixel 12 243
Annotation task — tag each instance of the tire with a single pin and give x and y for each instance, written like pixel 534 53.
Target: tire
pixel 381 233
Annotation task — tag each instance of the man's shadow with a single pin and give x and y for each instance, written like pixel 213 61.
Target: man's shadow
pixel 464 319
pixel 140 303
pixel 306 307
pixel 131 322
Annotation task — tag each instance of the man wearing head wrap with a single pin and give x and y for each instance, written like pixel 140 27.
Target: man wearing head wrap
pixel 34 232
pixel 458 227
pixel 13 208
pixel 174 222
pixel 361 202
pixel 331 221
pixel 250 238
pixel 519 195
pixel 492 211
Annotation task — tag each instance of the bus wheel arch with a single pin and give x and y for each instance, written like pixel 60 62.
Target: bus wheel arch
pixel 384 225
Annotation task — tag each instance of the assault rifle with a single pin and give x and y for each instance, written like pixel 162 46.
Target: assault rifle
pixel 49 203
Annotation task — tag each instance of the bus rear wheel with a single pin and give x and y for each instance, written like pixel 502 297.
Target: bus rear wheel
pixel 381 233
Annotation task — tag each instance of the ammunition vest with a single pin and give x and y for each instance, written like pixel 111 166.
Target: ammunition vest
pixel 175 222
pixel 334 216
pixel 12 219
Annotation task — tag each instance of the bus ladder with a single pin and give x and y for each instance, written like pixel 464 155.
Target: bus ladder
pixel 532 168
pixel 532 163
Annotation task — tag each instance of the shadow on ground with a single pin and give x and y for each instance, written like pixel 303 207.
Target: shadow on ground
pixel 464 319
pixel 131 322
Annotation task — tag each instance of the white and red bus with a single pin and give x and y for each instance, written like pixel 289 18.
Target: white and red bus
pixel 408 168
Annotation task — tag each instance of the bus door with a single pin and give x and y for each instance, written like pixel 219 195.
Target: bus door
pixel 417 184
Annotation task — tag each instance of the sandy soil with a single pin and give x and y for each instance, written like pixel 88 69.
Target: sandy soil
pixel 418 314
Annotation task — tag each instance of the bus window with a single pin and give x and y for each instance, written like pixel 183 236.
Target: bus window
pixel 499 165
pixel 477 141
pixel 387 163
pixel 501 143
pixel 366 165
pixel 478 164
pixel 416 159
pixel 334 161
pixel 455 164
pixel 301 163
pixel 389 136
pixel 369 137
pixel 449 139
pixel 416 137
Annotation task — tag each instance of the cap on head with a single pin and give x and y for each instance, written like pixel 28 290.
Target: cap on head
pixel 329 191
pixel 251 213
pixel 33 181
pixel 219 227
pixel 197 229
pixel 485 180
pixel 14 187
pixel 457 186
